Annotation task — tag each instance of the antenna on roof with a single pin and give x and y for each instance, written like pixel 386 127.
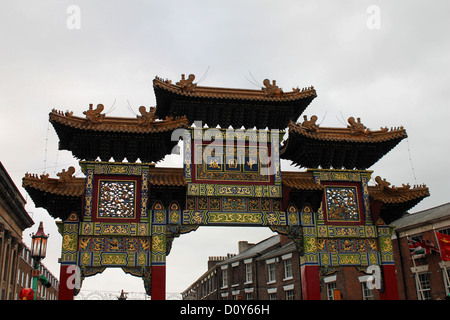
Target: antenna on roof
pixel 410 161
pixel 204 76
pixel 112 108
pixel 343 122
pixel 46 148
pixel 131 108
pixel 253 83
pixel 323 118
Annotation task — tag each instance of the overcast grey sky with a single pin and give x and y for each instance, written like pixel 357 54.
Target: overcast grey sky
pixel 386 62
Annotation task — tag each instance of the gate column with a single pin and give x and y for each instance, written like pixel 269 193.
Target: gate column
pixel 310 282
pixel 158 263
pixel 68 271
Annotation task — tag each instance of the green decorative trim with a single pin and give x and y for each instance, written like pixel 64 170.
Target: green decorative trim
pixel 342 231
pixel 265 191
pixel 233 218
pixel 111 228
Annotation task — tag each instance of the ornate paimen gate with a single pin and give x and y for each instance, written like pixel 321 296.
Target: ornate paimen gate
pixel 126 214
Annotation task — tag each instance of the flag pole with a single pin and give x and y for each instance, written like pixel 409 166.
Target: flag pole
pixel 447 280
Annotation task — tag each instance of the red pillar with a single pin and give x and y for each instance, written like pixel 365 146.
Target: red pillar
pixel 158 282
pixel 390 283
pixel 310 282
pixel 66 282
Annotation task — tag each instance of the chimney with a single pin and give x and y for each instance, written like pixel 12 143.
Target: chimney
pixel 244 245
pixel 284 239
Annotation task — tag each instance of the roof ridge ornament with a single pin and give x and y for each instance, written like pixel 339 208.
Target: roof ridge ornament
pixel 310 125
pixel 65 176
pixel 187 84
pixel 385 185
pixel 271 89
pixel 95 115
pixel 146 118
pixel 356 127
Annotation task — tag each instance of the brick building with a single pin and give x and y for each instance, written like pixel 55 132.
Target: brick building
pixel 24 277
pixel 13 221
pixel 422 276
pixel 15 256
pixel 267 270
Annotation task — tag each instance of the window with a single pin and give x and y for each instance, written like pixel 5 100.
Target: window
pixel 446 275
pixel 271 272
pixel 367 294
pixel 289 294
pixel 248 273
pixel 224 278
pixel 287 269
pixel 331 286
pixel 423 286
pixel 249 296
pixel 272 296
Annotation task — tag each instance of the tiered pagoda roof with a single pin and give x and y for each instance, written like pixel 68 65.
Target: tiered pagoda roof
pixel 269 107
pixel 60 197
pixel 148 137
pixel 396 200
pixel 353 147
pixel 98 136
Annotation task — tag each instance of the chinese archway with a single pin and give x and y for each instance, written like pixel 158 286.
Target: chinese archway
pixel 126 211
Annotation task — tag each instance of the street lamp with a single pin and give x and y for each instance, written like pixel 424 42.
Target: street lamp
pixel 38 252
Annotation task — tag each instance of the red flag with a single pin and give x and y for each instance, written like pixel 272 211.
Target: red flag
pixel 444 245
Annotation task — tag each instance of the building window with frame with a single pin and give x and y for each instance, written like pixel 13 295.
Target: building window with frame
pixel 272 292
pixel 289 294
pixel 367 294
pixel 224 278
pixel 248 273
pixel 423 286
pixel 330 286
pixel 445 267
pixel 287 269
pixel 271 274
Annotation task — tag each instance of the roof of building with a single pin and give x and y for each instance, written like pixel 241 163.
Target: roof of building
pixel 355 146
pixel 300 180
pixel 396 201
pixel 423 217
pixel 254 250
pixel 12 198
pixel 269 107
pixel 60 197
pixel 95 120
pixel 284 249
pixel 98 136
pixel 385 193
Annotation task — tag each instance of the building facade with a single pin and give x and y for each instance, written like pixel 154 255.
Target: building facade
pixel 25 280
pixel 269 270
pixel 422 274
pixel 15 257
pixel 13 221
